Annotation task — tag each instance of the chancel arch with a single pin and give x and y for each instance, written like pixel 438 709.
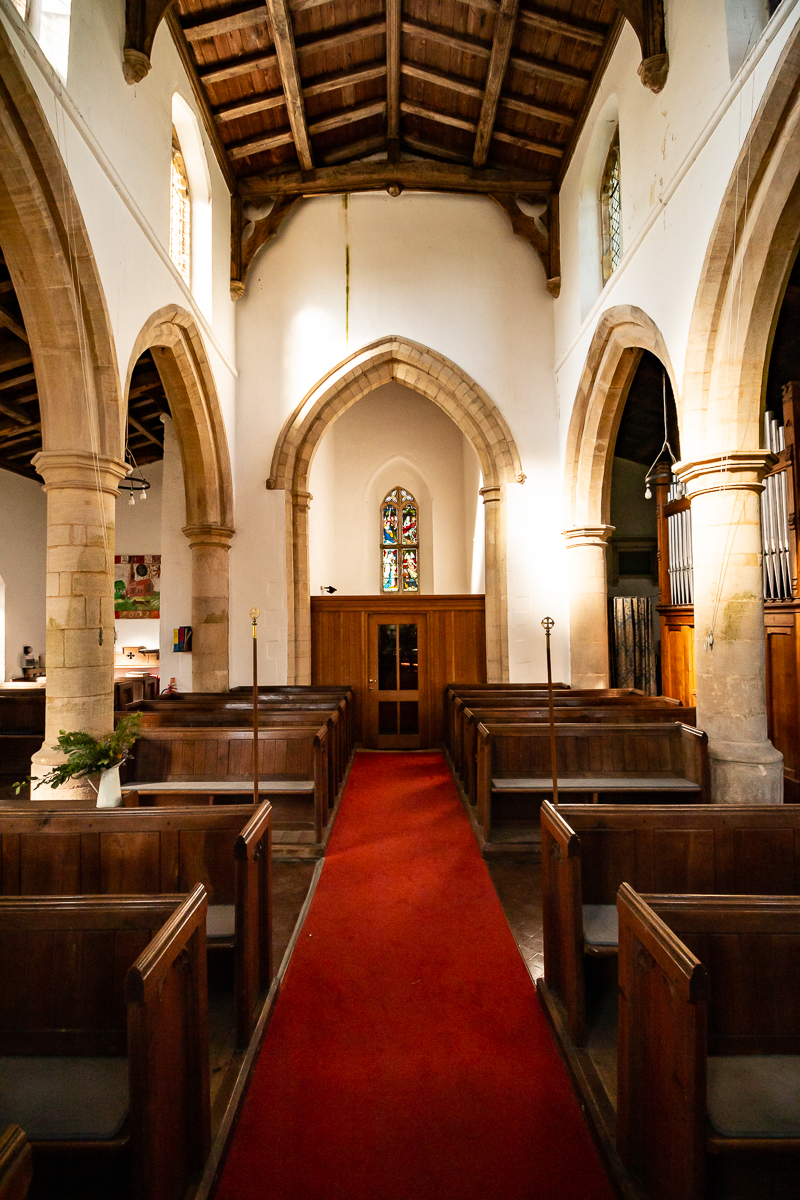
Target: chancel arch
pixel 179 356
pixel 431 375
pixel 622 334
pixel 66 324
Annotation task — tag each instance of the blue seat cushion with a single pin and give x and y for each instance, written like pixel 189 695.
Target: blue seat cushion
pixel 600 925
pixel 753 1095
pixel 59 1098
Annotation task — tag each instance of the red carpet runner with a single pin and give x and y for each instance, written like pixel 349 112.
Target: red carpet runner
pixel 407 1058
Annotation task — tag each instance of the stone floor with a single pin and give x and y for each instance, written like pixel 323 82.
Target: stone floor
pixel 519 888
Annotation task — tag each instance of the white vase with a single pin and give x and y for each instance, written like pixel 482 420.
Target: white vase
pixel 109 793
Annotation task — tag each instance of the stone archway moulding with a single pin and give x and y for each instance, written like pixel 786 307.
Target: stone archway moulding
pixel 182 364
pixel 747 264
pixel 622 334
pixel 47 249
pixel 473 411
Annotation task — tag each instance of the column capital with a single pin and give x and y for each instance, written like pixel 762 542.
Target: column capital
pixel 302 500
pixel 738 470
pixel 209 535
pixel 80 469
pixel 491 494
pixel 587 535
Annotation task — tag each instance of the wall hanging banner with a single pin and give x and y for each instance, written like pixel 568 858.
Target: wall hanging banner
pixel 137 579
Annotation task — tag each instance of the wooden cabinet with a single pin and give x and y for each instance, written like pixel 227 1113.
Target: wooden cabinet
pixel 677 653
pixel 451 644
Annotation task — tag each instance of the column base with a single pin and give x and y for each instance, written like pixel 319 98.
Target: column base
pixel 75 789
pixel 745 773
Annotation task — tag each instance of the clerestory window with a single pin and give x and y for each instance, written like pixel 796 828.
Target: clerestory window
pixel 399 542
pixel 180 213
pixel 611 211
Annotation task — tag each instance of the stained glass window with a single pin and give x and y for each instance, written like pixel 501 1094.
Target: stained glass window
pixel 399 542
pixel 611 211
pixel 180 212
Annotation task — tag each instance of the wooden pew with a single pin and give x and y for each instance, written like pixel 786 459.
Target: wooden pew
pixel 603 713
pixel 16 1164
pixel 221 711
pixel 88 981
pixel 454 690
pixel 589 850
pixel 709 1036
pixel 640 763
pixel 595 697
pixel 196 766
pixel 21 728
pixel 127 851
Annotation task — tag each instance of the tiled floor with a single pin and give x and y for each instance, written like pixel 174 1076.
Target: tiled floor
pixel 519 888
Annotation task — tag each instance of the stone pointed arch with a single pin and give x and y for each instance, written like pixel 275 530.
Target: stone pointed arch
pixel 473 411
pixel 182 364
pixel 622 334
pixel 47 249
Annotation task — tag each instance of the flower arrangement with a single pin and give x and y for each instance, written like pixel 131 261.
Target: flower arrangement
pixel 88 755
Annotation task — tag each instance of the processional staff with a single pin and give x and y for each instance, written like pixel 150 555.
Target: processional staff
pixel 547 625
pixel 255 613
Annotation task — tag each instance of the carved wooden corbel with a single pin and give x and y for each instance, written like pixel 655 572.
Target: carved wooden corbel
pixel 546 245
pixel 647 19
pixel 142 18
pixel 247 237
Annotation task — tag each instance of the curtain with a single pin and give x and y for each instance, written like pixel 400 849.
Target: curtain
pixel 633 656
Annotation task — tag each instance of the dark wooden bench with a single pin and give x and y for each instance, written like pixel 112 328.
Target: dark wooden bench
pixel 596 697
pixel 633 763
pixel 709 1037
pixel 196 766
pixel 21 728
pixel 454 690
pixel 589 850
pixel 142 850
pixel 104 1015
pixel 609 714
pixel 16 1164
pixel 223 711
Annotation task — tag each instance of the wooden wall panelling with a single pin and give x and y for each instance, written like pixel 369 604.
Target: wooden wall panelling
pixel 677 653
pixel 456 645
pixel 783 676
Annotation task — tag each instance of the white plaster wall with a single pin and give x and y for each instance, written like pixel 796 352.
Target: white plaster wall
pixel 23 552
pixel 678 150
pixel 393 437
pixel 115 140
pixel 445 271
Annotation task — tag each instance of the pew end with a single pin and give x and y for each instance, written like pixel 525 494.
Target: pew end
pixel 709 1026
pixel 16 1164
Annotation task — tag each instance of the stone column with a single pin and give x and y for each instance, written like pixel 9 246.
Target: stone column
pixel 81 490
pixel 496 585
pixel 588 605
pixel 301 502
pixel 210 592
pixel 729 625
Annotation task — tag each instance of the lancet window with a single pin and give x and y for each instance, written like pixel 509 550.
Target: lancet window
pixel 611 211
pixel 399 542
pixel 180 212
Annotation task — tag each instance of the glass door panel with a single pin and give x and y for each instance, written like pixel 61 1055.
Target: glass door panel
pixel 394 685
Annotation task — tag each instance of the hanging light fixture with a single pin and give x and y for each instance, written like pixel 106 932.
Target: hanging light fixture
pixel 648 493
pixel 136 481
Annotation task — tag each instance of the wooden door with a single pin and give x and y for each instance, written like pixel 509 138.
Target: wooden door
pixel 396 716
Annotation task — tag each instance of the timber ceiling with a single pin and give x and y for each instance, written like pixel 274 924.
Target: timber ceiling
pixel 20 419
pixel 325 82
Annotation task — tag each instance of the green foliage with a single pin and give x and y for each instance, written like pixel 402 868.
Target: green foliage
pixel 87 755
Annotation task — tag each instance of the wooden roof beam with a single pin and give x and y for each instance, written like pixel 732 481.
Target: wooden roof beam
pixel 10 322
pixel 377 176
pixel 442 118
pixel 354 150
pixel 332 83
pixel 426 75
pixel 235 67
pixel 513 139
pixel 346 116
pixel 11 408
pixel 530 108
pixel 505 23
pixel 393 49
pixel 28 377
pixel 263 62
pixel 546 69
pixel 436 151
pixel 526 143
pixel 536 19
pixel 144 431
pixel 440 37
pixel 230 24
pixel 280 23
